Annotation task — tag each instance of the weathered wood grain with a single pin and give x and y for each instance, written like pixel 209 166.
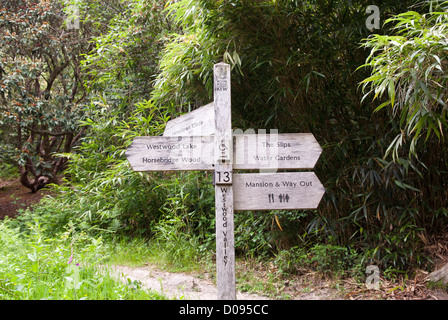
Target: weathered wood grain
pixel 225 249
pixel 203 140
pixel 199 122
pixel 276 191
pixel 282 151
pixel 275 151
pixel 160 153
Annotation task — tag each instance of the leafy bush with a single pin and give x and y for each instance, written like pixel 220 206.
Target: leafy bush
pixel 330 260
pixel 41 91
pixel 34 267
pixel 334 259
pixel 186 227
pixel 410 68
pixel 102 195
pixel 290 261
pixel 267 233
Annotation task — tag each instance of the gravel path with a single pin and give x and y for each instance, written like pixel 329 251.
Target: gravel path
pixel 175 285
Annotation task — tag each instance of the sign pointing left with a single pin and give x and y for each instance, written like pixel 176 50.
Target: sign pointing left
pixel 156 153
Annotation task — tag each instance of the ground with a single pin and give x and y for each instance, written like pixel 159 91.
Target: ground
pixel 14 196
pixel 307 286
pixel 199 286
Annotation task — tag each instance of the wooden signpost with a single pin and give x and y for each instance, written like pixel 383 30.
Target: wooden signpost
pixel 203 140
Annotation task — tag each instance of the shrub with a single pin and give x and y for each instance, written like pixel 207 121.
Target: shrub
pixel 34 267
pixel 327 259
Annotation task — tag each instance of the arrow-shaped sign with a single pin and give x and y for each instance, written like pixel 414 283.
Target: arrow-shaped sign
pixel 171 153
pixel 276 191
pixel 199 122
pixel 203 140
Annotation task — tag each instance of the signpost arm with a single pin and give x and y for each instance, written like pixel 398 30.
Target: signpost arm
pixel 225 249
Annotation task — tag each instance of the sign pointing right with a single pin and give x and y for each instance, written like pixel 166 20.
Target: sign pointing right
pixel 276 191
pixel 275 151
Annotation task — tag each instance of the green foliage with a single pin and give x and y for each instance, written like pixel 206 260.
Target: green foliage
pixel 100 189
pixel 45 84
pixel 282 52
pixel 334 259
pixel 330 260
pixel 410 69
pixel 104 196
pixel 124 59
pixel 295 67
pixel 100 193
pixel 7 171
pixel 186 65
pixel 34 267
pixel 266 233
pixel 103 191
pixel 41 90
pixel 187 214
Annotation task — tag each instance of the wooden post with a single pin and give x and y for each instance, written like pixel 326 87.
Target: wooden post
pixel 225 249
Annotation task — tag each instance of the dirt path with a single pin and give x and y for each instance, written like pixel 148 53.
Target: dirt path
pixel 176 285
pixel 14 196
pixel 198 287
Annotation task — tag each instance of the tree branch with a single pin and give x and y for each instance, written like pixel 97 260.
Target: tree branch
pixel 43 132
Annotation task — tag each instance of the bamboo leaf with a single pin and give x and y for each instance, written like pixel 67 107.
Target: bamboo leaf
pixel 391 92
